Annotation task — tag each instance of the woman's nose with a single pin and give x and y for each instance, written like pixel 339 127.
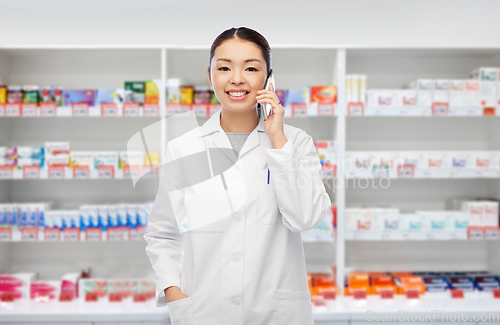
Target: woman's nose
pixel 238 78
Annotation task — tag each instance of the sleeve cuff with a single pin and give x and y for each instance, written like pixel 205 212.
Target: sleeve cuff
pixel 161 299
pixel 283 154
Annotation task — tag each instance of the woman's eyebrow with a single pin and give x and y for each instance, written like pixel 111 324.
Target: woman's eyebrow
pixel 247 60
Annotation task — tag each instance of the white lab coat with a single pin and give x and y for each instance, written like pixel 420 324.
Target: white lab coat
pixel 246 267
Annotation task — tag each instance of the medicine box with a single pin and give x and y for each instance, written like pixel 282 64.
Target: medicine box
pixel 457 93
pixel 488 84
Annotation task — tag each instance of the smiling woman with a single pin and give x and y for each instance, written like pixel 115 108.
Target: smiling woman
pixel 245 264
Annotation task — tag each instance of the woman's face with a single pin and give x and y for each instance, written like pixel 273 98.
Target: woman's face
pixel 238 71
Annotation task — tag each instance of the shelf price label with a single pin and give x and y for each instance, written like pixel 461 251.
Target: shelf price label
pixel 52 234
pixel 329 294
pixel 81 172
pixel 130 109
pixel 200 109
pixel 109 109
pixel 133 172
pixel 406 171
pixel 106 172
pixel 66 296
pixel 7 297
pixel 387 294
pixel 491 233
pixel 355 109
pixel 214 108
pixel 151 110
pixel 185 108
pixel 6 172
pixel 476 233
pixel 2 109
pixel 440 109
pixel 115 297
pixel 115 234
pixel 93 234
pixel 56 172
pixel 140 297
pixel 326 109
pixel 29 234
pixel 138 232
pixel 5 234
pixel 80 109
pixel 48 109
pixel 457 293
pixel 31 172
pixel 359 294
pixel 28 110
pixel 299 109
pixel 91 297
pixel 71 234
pixel 173 109
pixel 12 110
pixel 412 293
pixel 489 111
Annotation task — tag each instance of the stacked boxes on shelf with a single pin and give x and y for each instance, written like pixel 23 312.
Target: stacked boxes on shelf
pixel 482 90
pixel 395 164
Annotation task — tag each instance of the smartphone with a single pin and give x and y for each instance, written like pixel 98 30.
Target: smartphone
pixel 267 108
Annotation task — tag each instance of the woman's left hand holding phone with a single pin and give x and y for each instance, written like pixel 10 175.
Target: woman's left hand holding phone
pixel 174 293
pixel 274 123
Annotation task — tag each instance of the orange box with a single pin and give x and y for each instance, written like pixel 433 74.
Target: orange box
pixel 324 94
pixel 381 280
pixel 396 274
pixel 358 279
pixel 405 282
pixel 375 290
pixel 349 291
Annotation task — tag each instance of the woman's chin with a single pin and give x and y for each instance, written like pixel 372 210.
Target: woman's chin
pixel 239 108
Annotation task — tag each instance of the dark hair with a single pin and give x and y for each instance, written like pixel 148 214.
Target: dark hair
pixel 245 34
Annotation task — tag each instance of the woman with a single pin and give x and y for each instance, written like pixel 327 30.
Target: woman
pixel 241 260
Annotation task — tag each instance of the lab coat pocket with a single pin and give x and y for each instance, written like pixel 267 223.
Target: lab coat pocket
pixel 268 202
pixel 294 308
pixel 180 311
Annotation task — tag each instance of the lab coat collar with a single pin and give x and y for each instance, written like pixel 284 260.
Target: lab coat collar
pixel 213 124
pixel 221 139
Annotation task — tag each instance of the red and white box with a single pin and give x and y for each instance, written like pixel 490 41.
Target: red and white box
pixel 358 219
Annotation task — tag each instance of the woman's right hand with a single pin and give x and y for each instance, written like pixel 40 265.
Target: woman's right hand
pixel 174 293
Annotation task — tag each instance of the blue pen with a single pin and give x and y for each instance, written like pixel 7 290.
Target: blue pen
pixel 268 173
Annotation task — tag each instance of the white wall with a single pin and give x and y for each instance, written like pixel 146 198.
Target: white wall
pixel 374 23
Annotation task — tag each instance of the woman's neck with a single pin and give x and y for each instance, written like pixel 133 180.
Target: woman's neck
pixel 239 121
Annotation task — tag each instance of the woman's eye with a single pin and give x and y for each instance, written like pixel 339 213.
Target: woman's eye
pixel 253 69
pixel 223 68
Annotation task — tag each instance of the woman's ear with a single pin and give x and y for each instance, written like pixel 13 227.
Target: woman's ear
pixel 209 78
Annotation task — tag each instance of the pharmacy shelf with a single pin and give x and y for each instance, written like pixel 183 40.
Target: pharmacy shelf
pixel 78 110
pixel 148 110
pixel 399 235
pixel 470 304
pixel 437 173
pixel 422 111
pixel 66 173
pixel 74 311
pixel 344 310
pixel 32 234
pixel 78 311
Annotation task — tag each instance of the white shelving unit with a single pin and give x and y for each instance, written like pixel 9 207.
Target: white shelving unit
pixel 294 67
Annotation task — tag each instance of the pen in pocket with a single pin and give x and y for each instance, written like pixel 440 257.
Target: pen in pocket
pixel 268 174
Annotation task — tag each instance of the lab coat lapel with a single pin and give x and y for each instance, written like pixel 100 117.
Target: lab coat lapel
pixel 220 140
pixel 253 139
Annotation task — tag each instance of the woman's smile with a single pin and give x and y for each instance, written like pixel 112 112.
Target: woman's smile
pixel 237 94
